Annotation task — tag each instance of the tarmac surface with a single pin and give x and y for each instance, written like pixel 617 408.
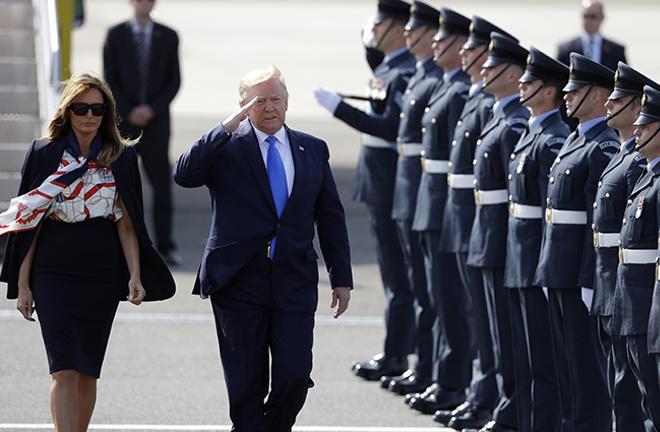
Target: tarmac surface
pixel 162 369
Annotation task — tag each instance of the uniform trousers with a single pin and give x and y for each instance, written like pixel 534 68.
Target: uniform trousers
pixel 399 309
pixel 250 325
pixel 644 369
pixel 483 389
pixel 620 379
pixel 536 380
pixel 424 314
pixel 452 356
pixel 583 396
pixel 499 317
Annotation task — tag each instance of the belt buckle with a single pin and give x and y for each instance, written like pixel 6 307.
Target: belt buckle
pixel 621 254
pixel 476 197
pixel 596 240
pixel 423 162
pixel 548 216
pixel 400 149
pixel 657 270
pixel 450 179
pixel 267 250
pixel 512 209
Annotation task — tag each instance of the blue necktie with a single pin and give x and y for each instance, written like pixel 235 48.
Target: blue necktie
pixel 277 180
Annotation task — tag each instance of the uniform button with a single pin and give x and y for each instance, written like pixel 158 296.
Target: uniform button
pixel 427 109
pixel 422 153
pixel 459 122
pixel 453 143
pixel 552 179
pixel 474 162
pixel 478 142
pixel 513 156
pixel 625 221
pixel 510 177
pixel 558 160
pixel 593 226
pixel 595 205
pixel 568 172
pixel 402 115
pixel 433 120
pixel 629 202
pixel 600 183
pixel 607 194
pixel 474 182
pixel 412 102
pixel 466 134
pixel 408 91
pixel 398 140
pixel 510 197
pixel 547 200
pixel 450 164
pixel 486 155
pixel 423 130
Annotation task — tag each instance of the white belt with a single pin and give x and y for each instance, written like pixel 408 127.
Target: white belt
pixel 461 181
pixel 565 217
pixel 637 256
pixel 490 197
pixel 373 141
pixel 410 149
pixel 434 166
pixel 521 211
pixel 606 240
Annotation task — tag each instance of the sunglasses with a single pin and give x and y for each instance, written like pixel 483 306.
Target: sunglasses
pixel 590 16
pixel 81 109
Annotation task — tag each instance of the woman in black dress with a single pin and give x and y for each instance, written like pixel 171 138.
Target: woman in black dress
pixel 77 243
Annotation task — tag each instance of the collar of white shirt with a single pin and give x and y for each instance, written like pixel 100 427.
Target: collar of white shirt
pixel 284 149
pixel 280 135
pixel 148 29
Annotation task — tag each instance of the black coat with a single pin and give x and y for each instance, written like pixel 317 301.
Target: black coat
pixel 611 52
pixel 41 161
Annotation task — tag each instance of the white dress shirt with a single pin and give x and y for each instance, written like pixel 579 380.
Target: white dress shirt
pixel 147 30
pixel 283 147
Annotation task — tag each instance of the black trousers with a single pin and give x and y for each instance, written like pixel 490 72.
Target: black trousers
pixel 644 368
pixel 452 356
pixel 583 395
pixel 499 317
pixel 250 327
pixel 153 148
pixel 621 381
pixel 483 389
pixel 537 389
pixel 424 314
pixel 399 309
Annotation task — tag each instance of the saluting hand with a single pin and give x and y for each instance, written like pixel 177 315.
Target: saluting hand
pixel 340 298
pixel 329 100
pixel 136 291
pixel 231 123
pixel 25 303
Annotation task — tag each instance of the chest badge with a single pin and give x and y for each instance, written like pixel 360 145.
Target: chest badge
pixel 640 207
pixel 521 163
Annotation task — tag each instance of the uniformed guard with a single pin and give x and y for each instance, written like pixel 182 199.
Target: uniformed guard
pixel 374 180
pixel 566 263
pixel 614 186
pixel 637 256
pixel 457 225
pixel 531 159
pixel 423 24
pixel 451 351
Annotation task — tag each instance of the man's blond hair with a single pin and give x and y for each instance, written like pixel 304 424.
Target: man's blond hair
pixel 259 76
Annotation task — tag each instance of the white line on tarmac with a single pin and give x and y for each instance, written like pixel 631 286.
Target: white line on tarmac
pixel 204 318
pixel 134 427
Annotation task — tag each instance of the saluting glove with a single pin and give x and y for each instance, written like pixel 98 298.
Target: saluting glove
pixel 587 295
pixel 327 99
pixel 368 33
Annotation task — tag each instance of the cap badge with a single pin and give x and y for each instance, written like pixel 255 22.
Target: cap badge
pixel 490 46
pixel 644 98
pixel 529 59
pixel 472 27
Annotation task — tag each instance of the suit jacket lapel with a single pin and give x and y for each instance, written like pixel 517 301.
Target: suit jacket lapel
pixel 615 162
pixel 572 144
pixel 246 140
pixel 298 153
pixel 643 183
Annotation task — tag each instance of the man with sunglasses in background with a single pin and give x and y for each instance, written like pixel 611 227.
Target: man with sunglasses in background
pixel 141 65
pixel 591 43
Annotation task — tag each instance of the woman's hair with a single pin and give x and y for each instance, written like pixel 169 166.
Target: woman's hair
pixel 111 139
pixel 259 76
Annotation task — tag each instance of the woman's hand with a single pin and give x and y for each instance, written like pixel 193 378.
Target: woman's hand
pixel 136 292
pixel 25 303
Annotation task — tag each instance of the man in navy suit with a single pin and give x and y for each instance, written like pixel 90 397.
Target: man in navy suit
pixel 591 43
pixel 269 186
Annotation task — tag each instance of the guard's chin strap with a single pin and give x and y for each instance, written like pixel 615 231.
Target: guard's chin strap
pixel 389 28
pixel 640 146
pixel 574 112
pixel 446 48
pixel 622 108
pixel 419 39
pixel 486 84
pixel 530 97
pixel 476 59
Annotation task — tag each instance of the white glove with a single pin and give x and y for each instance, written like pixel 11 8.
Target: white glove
pixel 545 293
pixel 587 297
pixel 327 99
pixel 368 33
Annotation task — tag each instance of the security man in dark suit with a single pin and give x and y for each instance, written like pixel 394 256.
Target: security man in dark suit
pixel 505 65
pixel 591 43
pixel 536 381
pixel 637 255
pixel 420 29
pixel 452 365
pixel 566 264
pixel 457 225
pixel 141 65
pixel 616 183
pixel 374 181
